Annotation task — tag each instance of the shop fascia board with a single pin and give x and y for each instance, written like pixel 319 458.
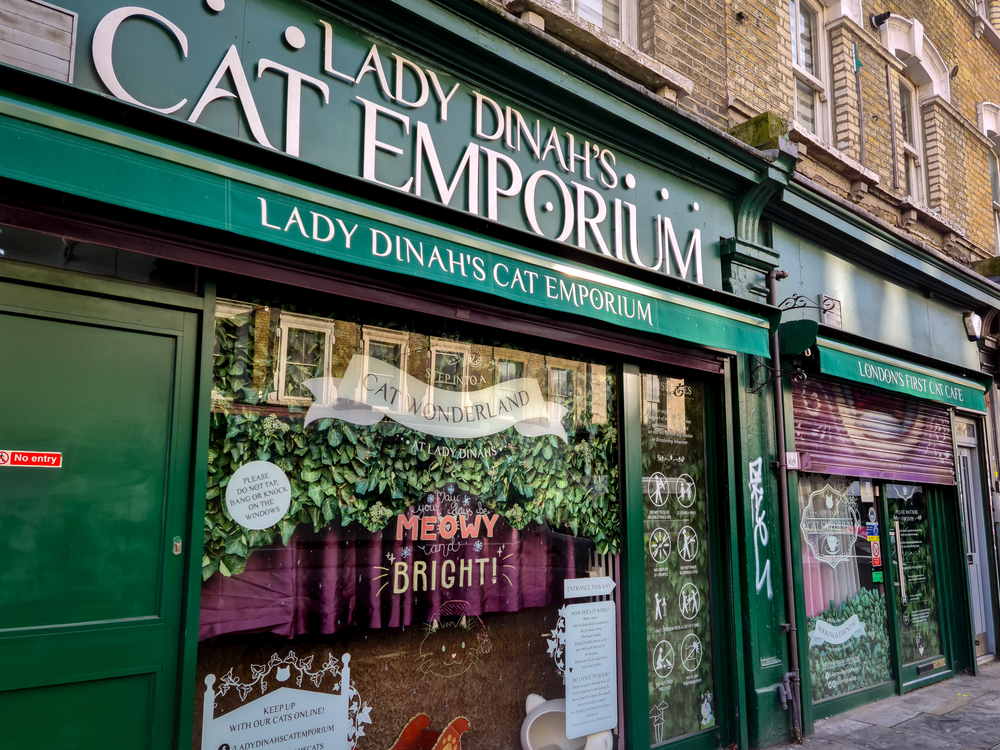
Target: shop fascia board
pixel 872 242
pixel 519 61
pixel 213 171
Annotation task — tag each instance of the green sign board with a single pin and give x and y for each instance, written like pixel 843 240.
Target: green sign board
pixel 869 368
pixel 299 80
pixel 117 168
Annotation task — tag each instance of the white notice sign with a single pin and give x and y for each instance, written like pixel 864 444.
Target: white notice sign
pixel 258 495
pixel 591 676
pixel 576 588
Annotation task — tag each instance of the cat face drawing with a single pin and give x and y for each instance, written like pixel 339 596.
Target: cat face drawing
pixel 453 646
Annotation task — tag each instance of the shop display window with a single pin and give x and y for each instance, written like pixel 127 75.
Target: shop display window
pixel 842 571
pixel 399 521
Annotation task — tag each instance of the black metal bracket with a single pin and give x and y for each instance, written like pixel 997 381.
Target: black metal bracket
pixel 757 366
pixel 801 302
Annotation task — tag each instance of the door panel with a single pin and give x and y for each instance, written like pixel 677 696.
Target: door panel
pixel 970 494
pixel 90 591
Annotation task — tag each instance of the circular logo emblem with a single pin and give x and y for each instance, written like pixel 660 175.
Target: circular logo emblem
pixel 659 545
pixel 684 488
pixel 687 544
pixel 872 518
pixel 4 458
pixel 691 652
pixel 663 659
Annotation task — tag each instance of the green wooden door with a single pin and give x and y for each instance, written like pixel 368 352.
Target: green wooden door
pixel 90 587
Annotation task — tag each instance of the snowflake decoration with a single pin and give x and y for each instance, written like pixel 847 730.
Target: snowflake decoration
pixel 405 552
pixel 478 545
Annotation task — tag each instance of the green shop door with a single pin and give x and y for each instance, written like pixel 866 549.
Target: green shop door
pixel 678 642
pixel 90 585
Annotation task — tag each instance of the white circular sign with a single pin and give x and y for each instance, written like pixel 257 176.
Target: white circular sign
pixel 258 495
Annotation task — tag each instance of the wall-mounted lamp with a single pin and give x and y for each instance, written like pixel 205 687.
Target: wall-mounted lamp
pixel 973 326
pixel 879 19
pixel 741 17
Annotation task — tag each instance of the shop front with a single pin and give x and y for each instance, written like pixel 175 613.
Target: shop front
pixel 419 429
pixel 881 539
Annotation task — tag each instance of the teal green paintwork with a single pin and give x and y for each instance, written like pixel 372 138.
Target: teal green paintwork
pixel 765 652
pixel 333 111
pixel 798 335
pixel 875 306
pixel 872 369
pixel 852 236
pixel 635 656
pixel 90 592
pixel 67 162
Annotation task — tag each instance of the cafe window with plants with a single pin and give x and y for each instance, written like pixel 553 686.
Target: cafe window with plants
pixel 845 592
pixel 407 545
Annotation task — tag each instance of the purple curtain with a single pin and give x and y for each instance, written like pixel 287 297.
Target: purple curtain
pixel 343 576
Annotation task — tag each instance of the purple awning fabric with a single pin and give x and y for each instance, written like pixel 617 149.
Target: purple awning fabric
pixel 869 433
pixel 347 576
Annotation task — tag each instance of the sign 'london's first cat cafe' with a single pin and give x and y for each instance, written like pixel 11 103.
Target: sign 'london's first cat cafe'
pixel 319 90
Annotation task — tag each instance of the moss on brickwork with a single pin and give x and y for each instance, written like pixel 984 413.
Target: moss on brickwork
pixel 762 131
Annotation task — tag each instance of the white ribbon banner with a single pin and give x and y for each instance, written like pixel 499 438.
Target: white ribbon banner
pixel 836 634
pixel 372 389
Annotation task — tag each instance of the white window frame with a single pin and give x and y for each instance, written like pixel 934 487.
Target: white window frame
pixel 508 355
pixel 579 370
pixel 627 19
pixel 286 322
pixel 813 81
pixel 913 158
pixel 227 309
pixel 448 346
pixel 401 339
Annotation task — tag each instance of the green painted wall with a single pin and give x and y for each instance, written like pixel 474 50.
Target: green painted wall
pixel 874 306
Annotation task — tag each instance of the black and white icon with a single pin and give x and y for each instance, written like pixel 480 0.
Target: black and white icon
pixel 691 652
pixel 689 601
pixel 658 488
pixel 687 544
pixel 663 659
pixel 685 490
pixel 659 545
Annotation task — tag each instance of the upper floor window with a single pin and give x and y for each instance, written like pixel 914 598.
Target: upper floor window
pixel 909 132
pixel 810 91
pixel 614 17
pixel 303 353
pixel 995 185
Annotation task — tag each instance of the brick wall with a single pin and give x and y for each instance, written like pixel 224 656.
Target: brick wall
pixel 760 57
pixel 690 37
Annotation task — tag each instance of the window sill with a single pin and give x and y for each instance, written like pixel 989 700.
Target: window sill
pixel 811 145
pixel 912 211
pixel 585 36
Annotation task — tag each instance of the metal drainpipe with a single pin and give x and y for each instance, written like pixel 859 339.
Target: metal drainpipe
pixel 773 277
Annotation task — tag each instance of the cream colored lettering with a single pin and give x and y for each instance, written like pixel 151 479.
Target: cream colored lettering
pixel 442 98
pixel 263 215
pixel 470 160
pixel 423 93
pixel 328 53
pixel 371 144
pixel 293 99
pixel 232 65
pixel 373 64
pixel 497 118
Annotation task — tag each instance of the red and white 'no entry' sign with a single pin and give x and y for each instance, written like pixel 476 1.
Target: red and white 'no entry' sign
pixel 31 458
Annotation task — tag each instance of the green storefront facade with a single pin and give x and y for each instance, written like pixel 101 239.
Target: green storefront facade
pixel 383 376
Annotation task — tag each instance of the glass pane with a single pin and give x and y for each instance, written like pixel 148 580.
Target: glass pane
pixel 419 566
pixel 842 572
pixel 920 632
pixel 906 112
pixel 449 371
pixel 605 14
pixel 805 106
pixel 793 15
pixel 303 361
pixel 234 357
pixel 994 178
pixel 678 595
pixel 391 354
pixel 807 36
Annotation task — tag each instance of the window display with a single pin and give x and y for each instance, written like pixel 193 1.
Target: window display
pixel 678 597
pixel 916 595
pixel 395 519
pixel 842 571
